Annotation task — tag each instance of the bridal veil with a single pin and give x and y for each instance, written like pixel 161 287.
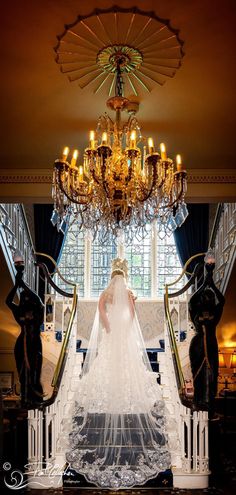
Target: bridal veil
pixel 117 434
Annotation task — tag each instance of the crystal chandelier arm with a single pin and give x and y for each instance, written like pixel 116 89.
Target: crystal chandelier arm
pixel 72 199
pixel 104 182
pixel 104 153
pixel 183 175
pixel 148 194
pixel 95 178
pixel 133 125
pixel 152 159
pixel 105 123
pixel 132 122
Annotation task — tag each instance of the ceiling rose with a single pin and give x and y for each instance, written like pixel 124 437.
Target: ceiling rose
pixel 151 48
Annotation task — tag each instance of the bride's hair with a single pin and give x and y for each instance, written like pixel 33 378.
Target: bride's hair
pixel 119 266
pixel 117 272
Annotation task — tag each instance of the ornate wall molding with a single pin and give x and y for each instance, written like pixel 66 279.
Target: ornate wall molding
pixel 204 185
pixel 212 177
pixel 26 177
pixel 44 176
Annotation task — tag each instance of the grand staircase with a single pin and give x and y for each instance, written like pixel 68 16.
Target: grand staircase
pixel 188 431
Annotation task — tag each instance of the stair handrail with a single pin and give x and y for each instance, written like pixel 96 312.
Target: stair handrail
pixel 64 348
pixel 173 345
pixel 49 275
pixel 57 376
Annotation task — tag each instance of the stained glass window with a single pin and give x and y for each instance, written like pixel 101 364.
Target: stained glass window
pixel 138 255
pixel 71 263
pixel 168 265
pixel 152 261
pixel 101 258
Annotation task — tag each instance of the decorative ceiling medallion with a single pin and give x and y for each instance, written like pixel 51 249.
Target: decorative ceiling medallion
pixel 150 49
pixel 130 58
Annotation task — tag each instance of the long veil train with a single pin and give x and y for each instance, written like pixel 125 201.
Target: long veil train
pixel 117 428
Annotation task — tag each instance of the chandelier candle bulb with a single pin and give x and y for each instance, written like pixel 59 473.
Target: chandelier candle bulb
pixel 179 163
pixel 104 138
pixel 92 139
pixel 163 151
pixel 65 153
pixel 133 139
pixel 81 173
pixel 150 146
pixel 74 158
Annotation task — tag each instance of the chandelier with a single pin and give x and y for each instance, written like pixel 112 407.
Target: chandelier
pixel 122 183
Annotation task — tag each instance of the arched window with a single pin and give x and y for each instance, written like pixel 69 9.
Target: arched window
pixel 152 263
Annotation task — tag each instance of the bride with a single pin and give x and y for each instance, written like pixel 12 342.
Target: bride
pixel 117 437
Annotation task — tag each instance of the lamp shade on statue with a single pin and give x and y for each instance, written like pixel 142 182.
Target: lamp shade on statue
pixel 233 360
pixel 18 257
pixel 221 360
pixel 210 257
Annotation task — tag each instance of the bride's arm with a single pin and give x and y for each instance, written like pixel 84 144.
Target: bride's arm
pixel 102 312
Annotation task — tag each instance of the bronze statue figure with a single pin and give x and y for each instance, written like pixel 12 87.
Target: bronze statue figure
pixel 28 348
pixel 205 308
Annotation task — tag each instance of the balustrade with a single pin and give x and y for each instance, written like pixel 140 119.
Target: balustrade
pixel 192 460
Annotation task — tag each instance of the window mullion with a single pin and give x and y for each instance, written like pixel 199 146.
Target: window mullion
pixel 87 266
pixel 154 248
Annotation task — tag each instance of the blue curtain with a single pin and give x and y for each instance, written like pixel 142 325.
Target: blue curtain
pixel 47 239
pixel 193 236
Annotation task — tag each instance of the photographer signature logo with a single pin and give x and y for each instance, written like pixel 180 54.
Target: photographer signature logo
pixel 36 474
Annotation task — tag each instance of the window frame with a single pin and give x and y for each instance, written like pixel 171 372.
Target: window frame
pixel 121 253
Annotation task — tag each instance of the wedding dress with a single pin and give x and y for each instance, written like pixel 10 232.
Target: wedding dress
pixel 117 433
